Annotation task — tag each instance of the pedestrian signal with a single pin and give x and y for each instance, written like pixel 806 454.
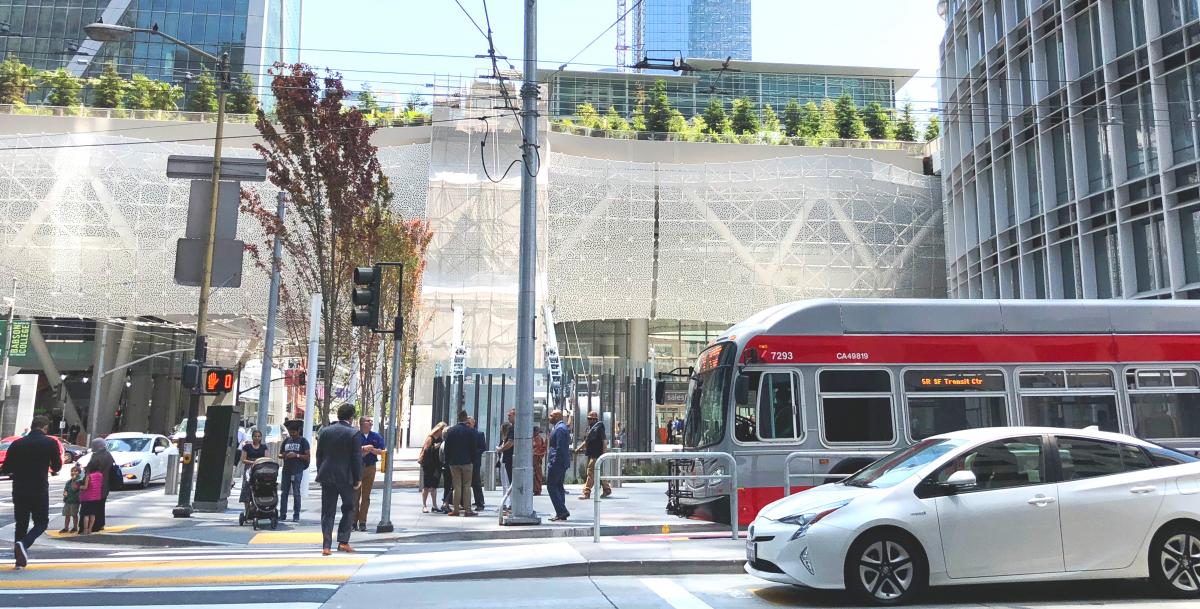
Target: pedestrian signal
pixel 217 380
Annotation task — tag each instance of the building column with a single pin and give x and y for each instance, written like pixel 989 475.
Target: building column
pixel 639 341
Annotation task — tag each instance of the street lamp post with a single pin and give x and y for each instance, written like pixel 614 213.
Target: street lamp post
pixel 105 32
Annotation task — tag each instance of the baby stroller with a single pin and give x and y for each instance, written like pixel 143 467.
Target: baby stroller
pixel 264 493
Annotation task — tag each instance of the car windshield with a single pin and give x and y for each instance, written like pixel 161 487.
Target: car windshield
pixel 128 445
pixel 898 466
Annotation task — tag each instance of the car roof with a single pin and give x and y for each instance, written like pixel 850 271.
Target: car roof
pixel 996 433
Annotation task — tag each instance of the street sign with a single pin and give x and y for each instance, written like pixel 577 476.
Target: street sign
pixel 217 380
pixel 20 337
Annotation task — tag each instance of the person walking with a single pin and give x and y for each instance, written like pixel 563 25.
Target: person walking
pixel 372 446
pixel 593 447
pixel 100 461
pixel 28 462
pixel 539 455
pixel 559 453
pixel 431 466
pixel 477 472
pixel 460 454
pixel 252 451
pixel 294 451
pixel 339 472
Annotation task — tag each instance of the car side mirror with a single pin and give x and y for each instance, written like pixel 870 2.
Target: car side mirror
pixel 159 449
pixel 741 389
pixel 962 480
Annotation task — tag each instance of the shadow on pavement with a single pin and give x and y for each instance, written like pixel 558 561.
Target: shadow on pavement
pixel 1125 591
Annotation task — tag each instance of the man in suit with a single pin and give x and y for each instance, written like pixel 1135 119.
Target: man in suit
pixel 460 446
pixel 29 459
pixel 480 448
pixel 339 471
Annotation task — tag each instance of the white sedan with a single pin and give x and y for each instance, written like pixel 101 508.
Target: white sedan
pixel 141 457
pixel 1003 504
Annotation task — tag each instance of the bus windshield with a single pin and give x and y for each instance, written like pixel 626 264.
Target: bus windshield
pixel 708 393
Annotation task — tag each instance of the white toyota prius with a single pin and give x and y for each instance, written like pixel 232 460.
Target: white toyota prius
pixel 1002 504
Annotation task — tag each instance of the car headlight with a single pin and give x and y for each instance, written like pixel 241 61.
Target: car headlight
pixel 131 464
pixel 811 517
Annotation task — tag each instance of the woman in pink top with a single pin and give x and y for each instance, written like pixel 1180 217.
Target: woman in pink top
pixel 91 498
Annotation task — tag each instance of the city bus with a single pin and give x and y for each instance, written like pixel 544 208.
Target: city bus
pixel 847 381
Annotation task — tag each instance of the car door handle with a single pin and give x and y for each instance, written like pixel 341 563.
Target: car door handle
pixel 1142 490
pixel 1041 501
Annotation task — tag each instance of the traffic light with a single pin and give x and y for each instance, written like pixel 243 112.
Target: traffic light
pixel 217 380
pixel 366 297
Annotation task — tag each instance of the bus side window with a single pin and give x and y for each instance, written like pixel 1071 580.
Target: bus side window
pixel 777 407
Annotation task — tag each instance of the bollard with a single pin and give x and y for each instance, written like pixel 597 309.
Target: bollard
pixel 171 485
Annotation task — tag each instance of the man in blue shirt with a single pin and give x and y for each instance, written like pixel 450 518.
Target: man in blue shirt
pixel 295 454
pixel 372 446
pixel 559 453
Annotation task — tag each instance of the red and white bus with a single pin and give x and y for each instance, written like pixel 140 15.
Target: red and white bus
pixel 847 381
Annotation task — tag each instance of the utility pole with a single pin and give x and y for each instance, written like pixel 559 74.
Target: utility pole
pixel 12 307
pixel 264 382
pixel 522 491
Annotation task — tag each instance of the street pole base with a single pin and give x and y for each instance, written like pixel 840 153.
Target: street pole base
pixel 181 512
pixel 516 520
pixel 384 527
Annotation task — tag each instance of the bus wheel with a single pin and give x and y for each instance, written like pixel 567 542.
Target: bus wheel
pixel 885 568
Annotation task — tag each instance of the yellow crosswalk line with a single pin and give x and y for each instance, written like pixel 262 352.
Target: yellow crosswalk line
pixel 288 537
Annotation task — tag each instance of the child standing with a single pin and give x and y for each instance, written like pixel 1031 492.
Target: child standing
pixel 70 509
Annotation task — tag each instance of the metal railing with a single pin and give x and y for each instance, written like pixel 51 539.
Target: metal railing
pixel 823 454
pixel 916 149
pixel 725 457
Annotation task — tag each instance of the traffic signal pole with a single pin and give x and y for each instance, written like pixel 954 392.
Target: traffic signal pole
pixel 184 508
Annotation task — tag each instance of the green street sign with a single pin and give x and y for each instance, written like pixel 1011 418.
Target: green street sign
pixel 20 337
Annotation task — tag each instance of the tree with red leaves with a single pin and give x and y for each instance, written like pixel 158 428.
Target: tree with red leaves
pixel 318 151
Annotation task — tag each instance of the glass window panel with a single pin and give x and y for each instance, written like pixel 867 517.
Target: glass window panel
pixel 778 414
pixel 855 381
pixel 1076 411
pixel 1084 458
pixel 1166 415
pixel 857 420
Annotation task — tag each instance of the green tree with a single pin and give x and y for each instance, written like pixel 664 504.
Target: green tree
pixel 242 99
pixel 64 87
pixel 588 117
pixel 203 97
pixel 715 119
pixel 792 118
pixel 16 79
pixel 614 121
pixel 367 104
pixel 906 128
pixel 770 120
pixel 879 123
pixel 637 120
pixel 849 121
pixel 745 119
pixel 827 121
pixel 659 113
pixel 933 129
pixel 110 88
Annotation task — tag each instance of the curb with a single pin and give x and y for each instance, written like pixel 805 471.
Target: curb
pixel 599 568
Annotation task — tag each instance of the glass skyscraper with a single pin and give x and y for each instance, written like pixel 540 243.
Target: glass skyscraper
pixel 709 29
pixel 48 34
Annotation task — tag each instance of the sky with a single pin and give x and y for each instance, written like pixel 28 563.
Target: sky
pixel 379 39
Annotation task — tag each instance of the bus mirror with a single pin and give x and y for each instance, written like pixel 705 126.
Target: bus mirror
pixel 741 389
pixel 660 393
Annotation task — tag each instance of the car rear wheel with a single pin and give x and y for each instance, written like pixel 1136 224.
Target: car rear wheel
pixel 1175 561
pixel 885 568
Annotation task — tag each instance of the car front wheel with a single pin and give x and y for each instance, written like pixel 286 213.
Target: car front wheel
pixel 884 568
pixel 1175 561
